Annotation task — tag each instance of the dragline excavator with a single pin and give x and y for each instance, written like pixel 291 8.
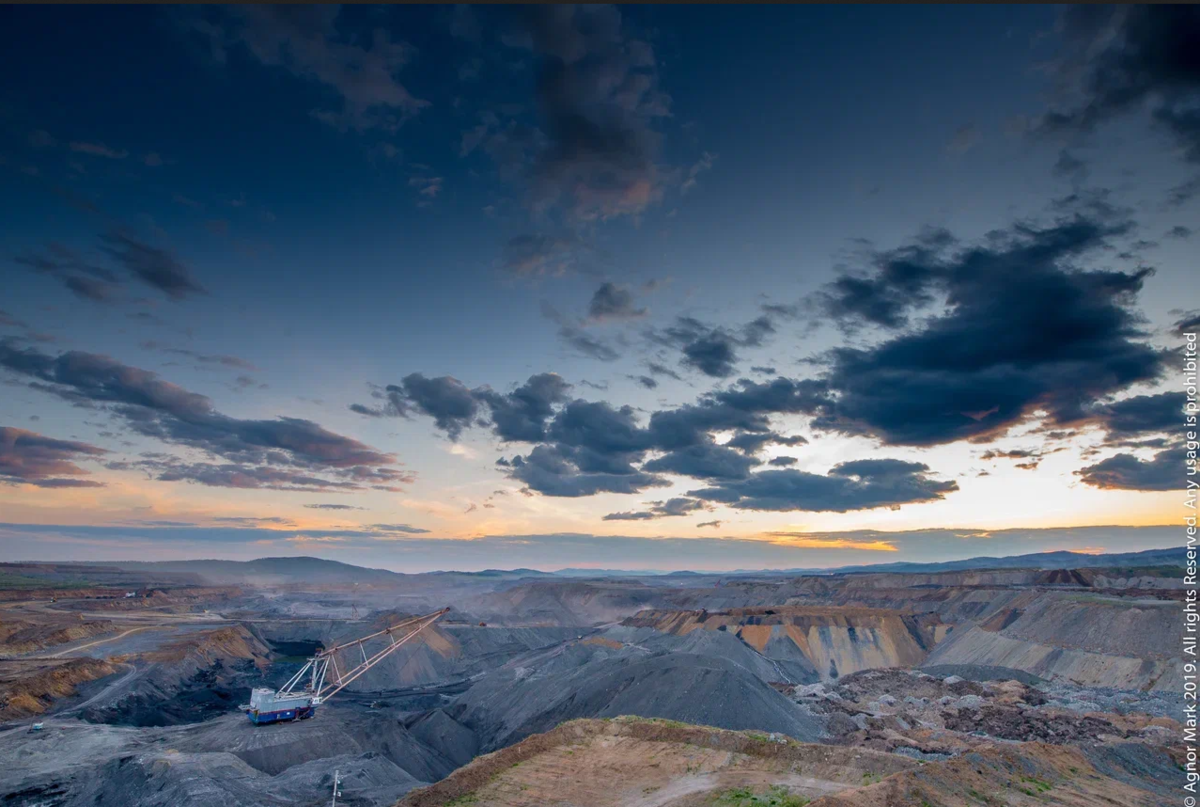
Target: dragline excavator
pixel 314 684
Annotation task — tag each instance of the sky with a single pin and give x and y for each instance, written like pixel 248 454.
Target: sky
pixel 624 287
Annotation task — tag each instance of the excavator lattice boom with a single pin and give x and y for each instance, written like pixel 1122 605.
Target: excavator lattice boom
pixel 314 684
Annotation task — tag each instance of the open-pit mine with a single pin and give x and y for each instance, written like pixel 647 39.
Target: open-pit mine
pixel 131 684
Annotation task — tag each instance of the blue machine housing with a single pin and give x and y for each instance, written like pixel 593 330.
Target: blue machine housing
pixel 266 707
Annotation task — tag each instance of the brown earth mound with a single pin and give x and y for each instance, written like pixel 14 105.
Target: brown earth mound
pixel 630 761
pixel 223 644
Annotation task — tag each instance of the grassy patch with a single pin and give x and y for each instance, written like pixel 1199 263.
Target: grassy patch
pixel 1037 784
pixel 662 721
pixel 774 796
pixel 20 581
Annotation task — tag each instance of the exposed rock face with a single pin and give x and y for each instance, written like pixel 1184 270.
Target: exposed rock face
pixel 198 676
pixel 21 636
pixel 831 641
pixel 978 646
pixel 33 694
pixel 1096 641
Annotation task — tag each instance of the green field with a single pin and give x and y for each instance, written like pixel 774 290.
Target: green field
pixel 20 581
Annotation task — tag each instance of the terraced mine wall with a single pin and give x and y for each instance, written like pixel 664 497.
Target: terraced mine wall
pixel 1088 639
pixel 831 641
pixel 19 636
pixel 25 695
pixel 197 677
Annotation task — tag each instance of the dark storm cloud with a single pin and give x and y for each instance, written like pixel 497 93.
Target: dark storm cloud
pixel 1023 330
pixel 154 266
pixel 1184 192
pixel 898 281
pixel 1180 232
pixel 645 381
pixel 660 370
pixel 1015 454
pixel 592 447
pixel 598 99
pixel 1030 458
pixel 517 416
pixel 521 415
pixel 60 482
pixel 308 42
pixel 763 370
pixel 630 516
pixel 613 302
pixel 1016 328
pixel 245 476
pixel 712 349
pixel 712 354
pixel 1140 415
pixel 1126 59
pixel 597 426
pixel 587 345
pixel 1188 323
pixel 157 408
pixel 447 400
pixel 679 506
pixel 404 528
pixel 777 396
pixel 691 425
pixel 1127 472
pixel 372 412
pixel 782 462
pixel 856 485
pixel 33 459
pixel 560 470
pixel 753 442
pixel 1126 424
pixel 703 461
pixel 247 520
pixel 573 334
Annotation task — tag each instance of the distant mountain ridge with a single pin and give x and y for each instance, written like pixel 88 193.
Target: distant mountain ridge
pixel 319 570
pixel 1036 560
pixel 302 568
